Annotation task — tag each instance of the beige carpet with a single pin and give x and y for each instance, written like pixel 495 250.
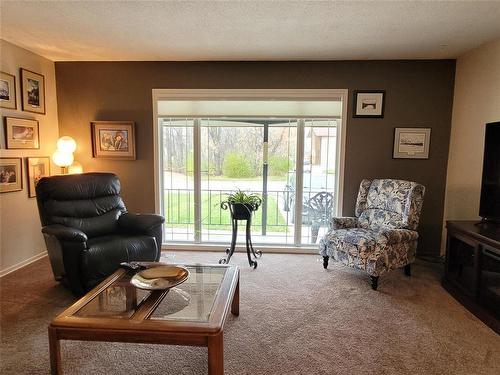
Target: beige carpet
pixel 295 318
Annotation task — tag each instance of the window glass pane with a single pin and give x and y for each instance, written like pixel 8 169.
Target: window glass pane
pixel 320 143
pixel 178 184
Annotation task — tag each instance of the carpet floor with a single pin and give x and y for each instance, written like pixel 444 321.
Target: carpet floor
pixel 295 318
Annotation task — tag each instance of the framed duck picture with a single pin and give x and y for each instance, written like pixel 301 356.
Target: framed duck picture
pixel 11 176
pixel 37 168
pixel 21 133
pixel 33 91
pixel 8 91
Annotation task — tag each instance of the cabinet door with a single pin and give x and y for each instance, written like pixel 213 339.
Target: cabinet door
pixel 489 288
pixel 462 256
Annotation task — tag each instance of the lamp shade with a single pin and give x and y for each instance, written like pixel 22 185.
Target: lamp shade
pixel 62 159
pixel 66 144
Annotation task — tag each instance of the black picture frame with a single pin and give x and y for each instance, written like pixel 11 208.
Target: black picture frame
pixel 25 96
pixel 358 113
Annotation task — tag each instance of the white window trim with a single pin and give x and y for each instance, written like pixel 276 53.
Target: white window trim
pixel 249 94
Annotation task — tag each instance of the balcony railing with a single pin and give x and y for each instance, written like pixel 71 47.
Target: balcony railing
pixel 278 223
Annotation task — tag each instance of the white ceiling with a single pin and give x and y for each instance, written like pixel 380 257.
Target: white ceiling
pixel 249 30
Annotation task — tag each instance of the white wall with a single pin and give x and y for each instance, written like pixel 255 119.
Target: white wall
pixel 476 102
pixel 20 236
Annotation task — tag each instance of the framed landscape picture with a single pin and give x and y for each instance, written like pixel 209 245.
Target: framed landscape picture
pixel 11 175
pixel 33 91
pixel 21 133
pixel 37 168
pixel 7 91
pixel 113 139
pixel 411 143
pixel 369 104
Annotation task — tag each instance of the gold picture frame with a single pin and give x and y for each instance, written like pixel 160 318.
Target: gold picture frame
pixel 32 91
pixel 37 167
pixel 8 98
pixel 21 133
pixel 11 175
pixel 113 140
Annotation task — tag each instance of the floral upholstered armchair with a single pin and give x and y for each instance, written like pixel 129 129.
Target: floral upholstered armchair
pixel 383 235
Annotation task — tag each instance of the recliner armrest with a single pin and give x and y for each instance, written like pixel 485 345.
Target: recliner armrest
pixel 393 236
pixel 141 223
pixel 343 222
pixel 64 233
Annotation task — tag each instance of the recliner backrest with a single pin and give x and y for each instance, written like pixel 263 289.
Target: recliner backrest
pixel 90 202
pixel 388 203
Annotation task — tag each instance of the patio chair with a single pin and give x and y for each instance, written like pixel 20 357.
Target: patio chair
pixel 319 209
pixel 383 234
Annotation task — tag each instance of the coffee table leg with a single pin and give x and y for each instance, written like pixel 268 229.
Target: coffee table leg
pixel 55 352
pixel 216 354
pixel 235 304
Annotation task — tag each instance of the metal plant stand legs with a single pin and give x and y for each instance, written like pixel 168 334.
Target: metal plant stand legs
pixel 251 252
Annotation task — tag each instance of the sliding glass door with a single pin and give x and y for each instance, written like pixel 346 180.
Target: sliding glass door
pixel 253 155
pixel 293 163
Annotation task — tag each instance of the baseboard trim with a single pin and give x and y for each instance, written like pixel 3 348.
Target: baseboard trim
pixel 22 264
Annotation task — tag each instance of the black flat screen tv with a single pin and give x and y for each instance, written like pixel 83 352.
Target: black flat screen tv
pixel 489 208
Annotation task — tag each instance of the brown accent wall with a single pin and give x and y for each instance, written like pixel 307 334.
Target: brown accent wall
pixel 418 93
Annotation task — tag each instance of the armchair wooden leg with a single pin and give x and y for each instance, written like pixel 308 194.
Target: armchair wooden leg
pixel 374 281
pixel 407 270
pixel 325 262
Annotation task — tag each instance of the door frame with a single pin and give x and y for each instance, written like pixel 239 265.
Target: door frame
pixel 249 94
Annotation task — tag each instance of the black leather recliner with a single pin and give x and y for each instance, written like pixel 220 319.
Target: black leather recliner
pixel 88 231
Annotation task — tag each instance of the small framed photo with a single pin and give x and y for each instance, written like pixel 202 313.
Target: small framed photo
pixel 37 168
pixel 21 133
pixel 411 143
pixel 33 91
pixel 369 104
pixel 8 91
pixel 113 139
pixel 11 175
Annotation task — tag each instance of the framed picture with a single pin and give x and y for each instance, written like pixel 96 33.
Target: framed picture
pixel 411 143
pixel 11 175
pixel 21 133
pixel 8 91
pixel 37 168
pixel 369 104
pixel 33 91
pixel 113 139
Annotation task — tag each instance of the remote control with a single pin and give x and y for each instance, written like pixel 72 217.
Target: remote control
pixel 134 266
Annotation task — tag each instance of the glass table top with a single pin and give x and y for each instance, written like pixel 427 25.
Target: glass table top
pixel 192 300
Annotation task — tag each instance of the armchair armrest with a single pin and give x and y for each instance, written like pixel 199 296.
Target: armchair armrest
pixel 343 222
pixel 64 233
pixel 393 236
pixel 141 223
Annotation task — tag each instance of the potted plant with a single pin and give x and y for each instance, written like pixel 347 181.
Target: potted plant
pixel 242 204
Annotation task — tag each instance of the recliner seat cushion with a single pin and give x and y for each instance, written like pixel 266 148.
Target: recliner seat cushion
pixel 105 253
pixel 362 241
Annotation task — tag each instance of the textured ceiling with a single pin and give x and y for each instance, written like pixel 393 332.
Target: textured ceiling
pixel 249 30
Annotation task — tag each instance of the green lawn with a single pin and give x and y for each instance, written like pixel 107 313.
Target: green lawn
pixel 179 211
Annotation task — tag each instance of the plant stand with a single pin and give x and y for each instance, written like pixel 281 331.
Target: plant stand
pixel 251 252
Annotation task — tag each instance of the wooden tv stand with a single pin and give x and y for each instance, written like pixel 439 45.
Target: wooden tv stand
pixel 472 268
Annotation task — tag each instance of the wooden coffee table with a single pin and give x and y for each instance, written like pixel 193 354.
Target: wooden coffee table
pixel 193 313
